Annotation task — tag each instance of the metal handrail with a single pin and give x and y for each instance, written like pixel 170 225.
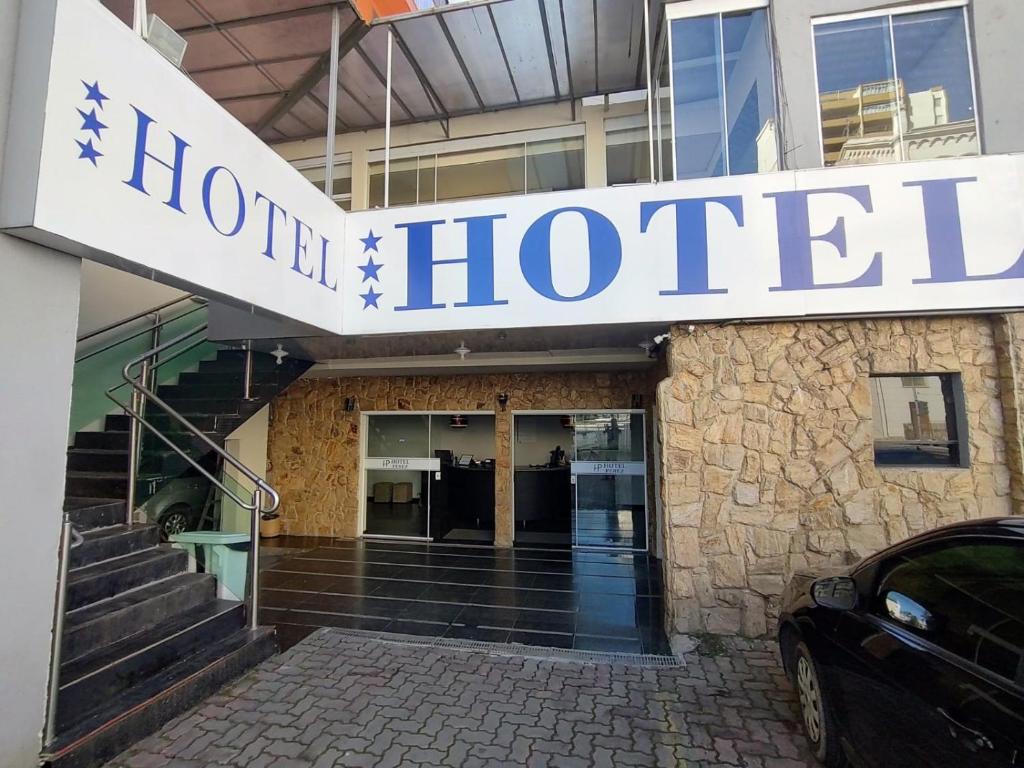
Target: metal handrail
pixel 140 332
pixel 139 316
pixel 150 395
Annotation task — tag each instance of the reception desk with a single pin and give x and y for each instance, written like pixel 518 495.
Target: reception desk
pixel 463 499
pixel 543 498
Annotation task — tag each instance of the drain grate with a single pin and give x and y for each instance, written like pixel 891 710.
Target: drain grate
pixel 509 649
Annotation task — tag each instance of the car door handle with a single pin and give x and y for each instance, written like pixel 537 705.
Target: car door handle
pixel 973 739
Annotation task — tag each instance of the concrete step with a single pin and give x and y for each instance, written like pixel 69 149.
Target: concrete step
pixel 90 681
pixel 105 579
pixel 115 541
pixel 140 710
pixel 129 613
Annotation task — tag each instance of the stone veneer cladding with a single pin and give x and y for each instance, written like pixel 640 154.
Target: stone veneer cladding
pixel 767 453
pixel 314 442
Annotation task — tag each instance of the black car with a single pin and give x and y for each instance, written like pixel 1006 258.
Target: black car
pixel 914 658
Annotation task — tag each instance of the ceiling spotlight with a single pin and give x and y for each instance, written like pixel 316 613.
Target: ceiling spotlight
pixel 280 354
pixel 462 350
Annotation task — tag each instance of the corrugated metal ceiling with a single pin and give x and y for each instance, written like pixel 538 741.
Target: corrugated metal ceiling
pixel 266 61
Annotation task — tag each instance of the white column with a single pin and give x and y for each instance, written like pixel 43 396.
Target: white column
pixel 650 94
pixel 387 126
pixel 332 103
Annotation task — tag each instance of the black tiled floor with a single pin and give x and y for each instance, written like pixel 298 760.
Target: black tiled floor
pixel 584 599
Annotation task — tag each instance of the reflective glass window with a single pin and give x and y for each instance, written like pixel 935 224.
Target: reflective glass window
pixel 917 420
pixel 971 594
pixel 723 95
pixel 895 87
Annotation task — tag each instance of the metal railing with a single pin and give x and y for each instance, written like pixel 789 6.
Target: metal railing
pixel 69 539
pixel 261 487
pixel 142 391
pixel 153 312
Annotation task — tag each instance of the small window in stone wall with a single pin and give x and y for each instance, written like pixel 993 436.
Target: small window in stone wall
pixel 919 420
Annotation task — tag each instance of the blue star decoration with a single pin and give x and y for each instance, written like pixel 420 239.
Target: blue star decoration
pixel 87 151
pixel 370 298
pixel 370 242
pixel 91 123
pixel 93 93
pixel 370 270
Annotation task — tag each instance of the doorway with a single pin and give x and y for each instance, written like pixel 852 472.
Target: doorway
pixel 580 479
pixel 429 476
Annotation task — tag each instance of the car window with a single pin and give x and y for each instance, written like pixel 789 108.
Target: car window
pixel 972 596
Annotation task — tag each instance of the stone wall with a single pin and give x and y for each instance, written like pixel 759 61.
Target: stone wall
pixel 1009 335
pixel 314 441
pixel 768 462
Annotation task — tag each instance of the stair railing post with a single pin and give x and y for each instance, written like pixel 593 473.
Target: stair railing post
pixel 58 629
pixel 134 449
pixel 247 376
pixel 254 587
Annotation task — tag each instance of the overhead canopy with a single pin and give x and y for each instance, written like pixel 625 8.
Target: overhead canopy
pixel 267 61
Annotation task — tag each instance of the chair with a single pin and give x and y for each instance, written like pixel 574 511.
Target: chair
pixel 402 493
pixel 382 492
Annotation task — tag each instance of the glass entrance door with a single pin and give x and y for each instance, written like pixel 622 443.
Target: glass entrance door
pixel 609 472
pixel 398 466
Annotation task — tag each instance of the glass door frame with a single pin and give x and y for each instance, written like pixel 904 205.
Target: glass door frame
pixel 577 412
pixel 364 428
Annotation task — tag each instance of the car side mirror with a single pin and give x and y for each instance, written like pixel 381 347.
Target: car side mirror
pixel 906 611
pixel 838 593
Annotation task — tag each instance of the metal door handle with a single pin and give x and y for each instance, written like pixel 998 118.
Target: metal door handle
pixel 976 739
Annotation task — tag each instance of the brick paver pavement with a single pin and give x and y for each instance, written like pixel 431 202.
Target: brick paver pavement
pixel 340 699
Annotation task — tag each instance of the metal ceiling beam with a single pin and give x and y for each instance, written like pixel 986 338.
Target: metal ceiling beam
pixel 245 21
pixel 640 80
pixel 458 58
pixel 568 59
pixel 254 63
pixel 504 55
pixel 380 76
pixel 551 52
pixel 420 74
pixel 349 39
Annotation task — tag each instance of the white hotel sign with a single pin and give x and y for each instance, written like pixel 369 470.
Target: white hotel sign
pixel 115 155
pixel 912 237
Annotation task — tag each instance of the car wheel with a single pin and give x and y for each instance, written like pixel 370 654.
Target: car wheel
pixel 177 519
pixel 819 724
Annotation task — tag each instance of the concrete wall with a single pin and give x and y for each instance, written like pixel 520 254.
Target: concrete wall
pixel 248 444
pixel 38 320
pixel 767 455
pixel 315 442
pixel 109 295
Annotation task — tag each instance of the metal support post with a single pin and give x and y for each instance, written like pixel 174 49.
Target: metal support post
pixel 650 95
pixel 247 375
pixel 387 125
pixel 332 103
pixel 58 630
pixel 254 587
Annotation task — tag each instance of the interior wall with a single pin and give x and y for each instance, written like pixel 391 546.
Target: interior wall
pixel 535 436
pixel 109 295
pixel 248 444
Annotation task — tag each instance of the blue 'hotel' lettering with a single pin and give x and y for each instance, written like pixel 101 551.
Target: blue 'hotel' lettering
pixel 229 221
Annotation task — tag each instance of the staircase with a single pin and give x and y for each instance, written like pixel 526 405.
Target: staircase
pixel 144 639
pixel 210 398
